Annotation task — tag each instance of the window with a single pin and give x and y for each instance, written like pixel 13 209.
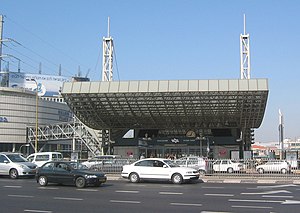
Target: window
pixel 158 163
pixel 49 166
pixel 145 163
pixel 2 158
pixel 42 158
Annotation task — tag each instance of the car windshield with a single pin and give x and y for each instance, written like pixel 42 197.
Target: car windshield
pixel 16 158
pixel 76 165
pixel 171 163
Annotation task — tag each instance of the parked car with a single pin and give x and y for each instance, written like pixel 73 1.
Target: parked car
pixel 229 166
pixel 198 163
pixel 97 160
pixel 15 165
pixel 40 158
pixel 274 166
pixel 110 165
pixel 68 173
pixel 158 169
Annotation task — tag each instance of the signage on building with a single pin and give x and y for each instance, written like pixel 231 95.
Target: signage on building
pixel 46 85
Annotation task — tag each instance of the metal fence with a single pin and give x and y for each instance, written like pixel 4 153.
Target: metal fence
pixel 254 168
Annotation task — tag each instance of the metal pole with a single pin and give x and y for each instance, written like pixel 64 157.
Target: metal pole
pixel 281 134
pixel 36 114
pixel 1 34
pixel 36 118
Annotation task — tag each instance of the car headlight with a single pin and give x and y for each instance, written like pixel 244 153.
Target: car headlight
pixel 90 176
pixel 23 166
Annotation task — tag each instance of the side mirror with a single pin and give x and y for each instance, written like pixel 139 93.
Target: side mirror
pixel 165 166
pixel 5 161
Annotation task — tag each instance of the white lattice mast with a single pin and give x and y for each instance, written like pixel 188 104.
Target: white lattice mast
pixel 107 62
pixel 245 53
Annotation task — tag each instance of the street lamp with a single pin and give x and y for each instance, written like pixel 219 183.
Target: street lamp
pixel 20 149
pixel 36 113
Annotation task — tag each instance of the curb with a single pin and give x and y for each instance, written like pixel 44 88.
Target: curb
pixel 220 180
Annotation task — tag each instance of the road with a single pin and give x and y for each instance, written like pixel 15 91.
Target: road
pixel 25 195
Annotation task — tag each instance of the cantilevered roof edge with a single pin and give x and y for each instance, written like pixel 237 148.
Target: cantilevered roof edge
pixel 165 86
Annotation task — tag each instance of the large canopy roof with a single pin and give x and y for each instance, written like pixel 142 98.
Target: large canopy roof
pixel 169 104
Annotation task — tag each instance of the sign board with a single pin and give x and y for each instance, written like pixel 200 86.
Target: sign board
pixel 47 85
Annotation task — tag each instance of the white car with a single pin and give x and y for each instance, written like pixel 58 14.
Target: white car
pixel 198 163
pixel 274 166
pixel 40 158
pixel 99 160
pixel 158 169
pixel 14 165
pixel 229 166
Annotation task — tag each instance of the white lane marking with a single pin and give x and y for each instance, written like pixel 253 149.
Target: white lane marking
pixel 124 201
pixel 12 186
pixel 291 202
pixel 186 204
pixel 212 187
pixel 221 195
pixel 39 211
pixel 275 196
pixel 257 201
pixel 67 198
pixel 50 188
pixel 253 207
pixel 24 196
pixel 266 193
pixel 128 191
pixel 276 186
pixel 213 212
pixel 88 190
pixel 170 193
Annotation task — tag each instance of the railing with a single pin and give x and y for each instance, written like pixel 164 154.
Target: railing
pixel 220 168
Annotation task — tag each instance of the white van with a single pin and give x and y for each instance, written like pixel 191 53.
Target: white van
pixel 40 158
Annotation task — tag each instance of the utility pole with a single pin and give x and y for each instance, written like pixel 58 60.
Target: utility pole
pixel 1 38
pixel 280 128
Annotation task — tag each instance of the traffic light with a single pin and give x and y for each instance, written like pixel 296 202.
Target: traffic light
pixel 252 136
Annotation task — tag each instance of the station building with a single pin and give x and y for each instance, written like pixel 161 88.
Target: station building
pixel 212 118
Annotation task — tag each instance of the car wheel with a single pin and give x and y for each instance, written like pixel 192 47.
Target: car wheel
pixel 134 177
pixel 43 181
pixel 13 173
pixel 260 171
pixel 80 182
pixel 283 171
pixel 177 178
pixel 230 170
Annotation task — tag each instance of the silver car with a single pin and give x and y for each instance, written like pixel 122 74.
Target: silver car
pixel 15 165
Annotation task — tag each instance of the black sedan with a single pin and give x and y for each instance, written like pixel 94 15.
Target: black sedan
pixel 68 173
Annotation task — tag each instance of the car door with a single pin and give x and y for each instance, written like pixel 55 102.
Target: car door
pixel 63 173
pixel 160 170
pixel 4 165
pixel 144 169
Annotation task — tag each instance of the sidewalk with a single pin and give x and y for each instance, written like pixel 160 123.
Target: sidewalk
pixel 220 179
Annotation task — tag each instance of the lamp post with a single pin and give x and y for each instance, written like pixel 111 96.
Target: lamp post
pixel 36 114
pixel 26 145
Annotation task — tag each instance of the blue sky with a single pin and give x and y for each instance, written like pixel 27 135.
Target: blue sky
pixel 165 39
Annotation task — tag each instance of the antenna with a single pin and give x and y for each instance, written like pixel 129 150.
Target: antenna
pixel 108 26
pixel 245 53
pixel 107 61
pixel 244 24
